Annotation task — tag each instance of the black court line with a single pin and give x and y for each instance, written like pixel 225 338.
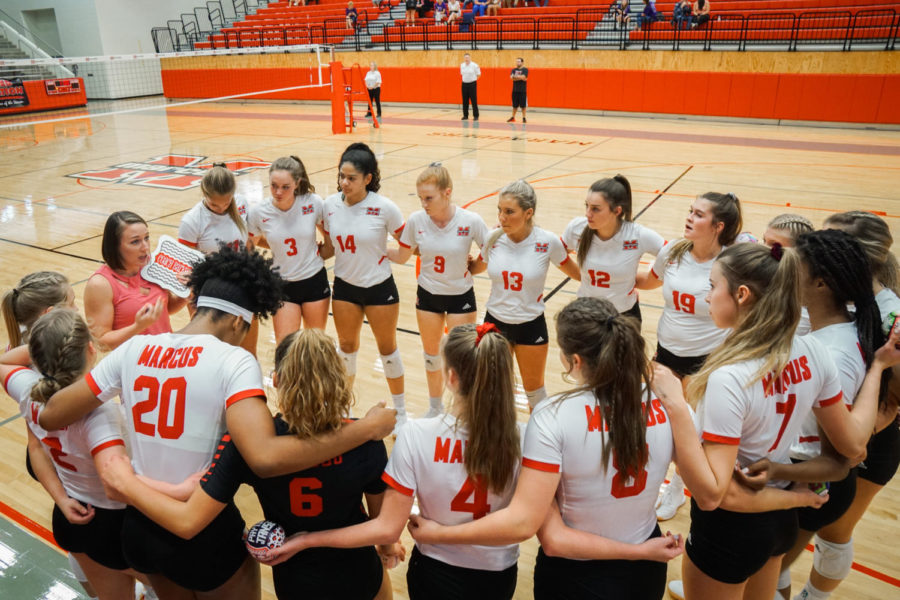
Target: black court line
pixel 642 211
pixel 27 245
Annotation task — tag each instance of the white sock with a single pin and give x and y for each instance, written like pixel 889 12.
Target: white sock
pixel 436 403
pixel 399 401
pixel 811 592
pixel 535 396
pixel 676 482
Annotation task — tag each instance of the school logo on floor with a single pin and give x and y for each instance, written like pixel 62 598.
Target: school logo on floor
pixel 170 172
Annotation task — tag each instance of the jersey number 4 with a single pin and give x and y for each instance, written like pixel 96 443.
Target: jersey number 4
pixel 170 397
pixel 478 506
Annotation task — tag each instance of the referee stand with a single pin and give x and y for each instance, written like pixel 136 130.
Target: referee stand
pixel 347 84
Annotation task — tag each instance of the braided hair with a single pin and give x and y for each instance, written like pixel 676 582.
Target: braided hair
pixel 793 225
pixel 22 305
pixel 58 347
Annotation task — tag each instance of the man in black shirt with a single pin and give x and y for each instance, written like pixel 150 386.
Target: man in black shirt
pixel 519 77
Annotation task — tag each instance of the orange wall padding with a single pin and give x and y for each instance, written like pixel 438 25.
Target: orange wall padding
pixel 38 99
pixel 816 97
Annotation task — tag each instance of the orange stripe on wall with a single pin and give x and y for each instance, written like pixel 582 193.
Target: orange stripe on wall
pixel 817 97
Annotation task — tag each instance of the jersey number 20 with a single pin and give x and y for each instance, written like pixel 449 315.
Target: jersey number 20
pixel 170 396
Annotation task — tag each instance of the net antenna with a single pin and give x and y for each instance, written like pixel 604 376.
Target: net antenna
pixel 144 69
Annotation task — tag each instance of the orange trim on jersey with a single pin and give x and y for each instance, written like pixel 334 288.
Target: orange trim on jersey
pixel 187 243
pixel 721 439
pixel 652 272
pixel 93 385
pixel 565 261
pixel 404 245
pixel 393 483
pixel 245 394
pixel 832 400
pixel 106 445
pixel 539 466
pixel 808 438
pixel 399 230
pixel 564 245
pixel 11 373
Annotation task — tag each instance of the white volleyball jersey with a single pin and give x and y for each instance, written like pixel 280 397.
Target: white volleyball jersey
pixel 685 327
pixel 888 303
pixel 175 389
pixel 291 235
pixel 359 234
pixel 567 437
pixel 842 343
pixel 611 265
pixel 803 326
pixel 445 250
pixel 763 422
pixel 518 272
pixel 72 448
pixel 203 229
pixel 427 461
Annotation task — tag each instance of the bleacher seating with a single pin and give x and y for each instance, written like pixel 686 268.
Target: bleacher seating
pixel 575 22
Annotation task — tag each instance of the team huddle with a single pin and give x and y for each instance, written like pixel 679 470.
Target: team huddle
pixel 771 389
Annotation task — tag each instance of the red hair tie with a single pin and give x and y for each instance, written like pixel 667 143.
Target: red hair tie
pixel 482 329
pixel 777 251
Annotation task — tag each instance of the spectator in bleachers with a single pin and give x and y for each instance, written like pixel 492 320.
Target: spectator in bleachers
pixel 454 11
pixel 296 2
pixel 411 12
pixel 352 15
pixel 423 7
pixel 440 11
pixel 648 15
pixel 622 14
pixel 493 8
pixel 373 86
pixel 682 14
pixel 479 7
pixel 701 12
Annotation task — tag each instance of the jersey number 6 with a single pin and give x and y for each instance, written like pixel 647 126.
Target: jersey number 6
pixel 303 504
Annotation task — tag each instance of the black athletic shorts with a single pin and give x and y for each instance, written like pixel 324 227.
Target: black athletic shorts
pixel 100 539
pixel 840 497
pixel 530 333
pixel 312 289
pixel 379 294
pixel 882 456
pixel 730 546
pixel 565 579
pixel 201 563
pixel 330 573
pixel 437 303
pixel 634 312
pixel 681 365
pixel 431 579
pixel 519 100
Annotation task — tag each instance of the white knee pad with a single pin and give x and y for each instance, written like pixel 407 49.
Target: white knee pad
pixel 349 361
pixel 832 560
pixel 392 364
pixel 784 579
pixel 433 362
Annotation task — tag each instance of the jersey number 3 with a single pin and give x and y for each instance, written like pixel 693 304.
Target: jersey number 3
pixel 170 396
pixel 478 506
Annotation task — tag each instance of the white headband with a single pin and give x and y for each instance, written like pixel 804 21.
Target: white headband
pixel 225 306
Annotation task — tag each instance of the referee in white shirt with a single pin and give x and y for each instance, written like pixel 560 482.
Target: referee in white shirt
pixel 373 86
pixel 470 72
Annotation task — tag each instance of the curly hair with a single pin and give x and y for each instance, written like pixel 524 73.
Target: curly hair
pixel 314 394
pixel 239 276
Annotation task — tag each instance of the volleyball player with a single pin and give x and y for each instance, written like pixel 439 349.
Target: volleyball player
pixel 358 221
pixel 219 218
pixel 287 224
pixel 686 334
pixel 33 295
pixel 609 245
pixel 601 450
pixel 460 466
pixel 118 302
pixel 785 229
pixel 171 438
pixel 756 390
pixel 834 557
pixel 518 255
pixel 85 522
pixel 314 395
pixel 443 234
